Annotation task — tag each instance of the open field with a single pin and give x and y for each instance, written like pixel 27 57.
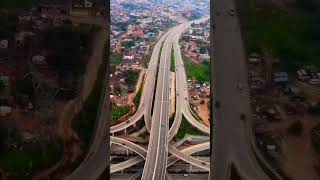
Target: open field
pixel 200 72
pixel 118 112
pixel 290 33
pixel 186 128
pixel 137 98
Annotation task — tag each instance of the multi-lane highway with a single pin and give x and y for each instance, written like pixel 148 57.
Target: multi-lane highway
pixel 182 106
pixel 171 159
pixel 188 151
pixel 156 160
pixel 233 138
pixel 145 105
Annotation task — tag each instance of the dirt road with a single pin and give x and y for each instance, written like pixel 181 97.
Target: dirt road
pixel 204 112
pixel 299 156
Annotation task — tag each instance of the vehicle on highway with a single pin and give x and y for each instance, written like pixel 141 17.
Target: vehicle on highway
pixel 203 163
pixel 242 116
pixel 177 94
pixel 232 12
pixel 185 88
pixel 185 175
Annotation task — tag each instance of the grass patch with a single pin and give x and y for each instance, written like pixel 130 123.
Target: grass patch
pixel 20 164
pixel 20 4
pixel 186 128
pixel 85 120
pixel 291 36
pixel 200 72
pixel 146 58
pixel 116 59
pixel 172 65
pixel 118 112
pixel 137 98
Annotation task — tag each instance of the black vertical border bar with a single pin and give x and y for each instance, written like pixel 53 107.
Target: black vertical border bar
pixel 106 174
pixel 212 92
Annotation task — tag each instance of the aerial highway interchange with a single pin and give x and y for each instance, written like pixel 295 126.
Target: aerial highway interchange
pixel 157 157
pixel 233 141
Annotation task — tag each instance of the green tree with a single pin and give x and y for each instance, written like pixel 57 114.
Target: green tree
pixel 295 129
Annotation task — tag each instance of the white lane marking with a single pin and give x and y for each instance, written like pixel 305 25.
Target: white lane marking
pixel 161 107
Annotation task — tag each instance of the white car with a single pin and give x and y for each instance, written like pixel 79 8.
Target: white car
pixel 185 175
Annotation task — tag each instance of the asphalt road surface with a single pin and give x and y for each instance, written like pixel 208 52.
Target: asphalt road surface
pixel 232 138
pixel 156 160
pixel 145 105
pixel 182 95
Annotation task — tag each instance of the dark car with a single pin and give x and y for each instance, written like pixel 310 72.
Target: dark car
pixel 232 12
pixel 242 116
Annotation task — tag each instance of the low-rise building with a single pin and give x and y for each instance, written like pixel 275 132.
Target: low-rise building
pixel 128 56
pixel 280 77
